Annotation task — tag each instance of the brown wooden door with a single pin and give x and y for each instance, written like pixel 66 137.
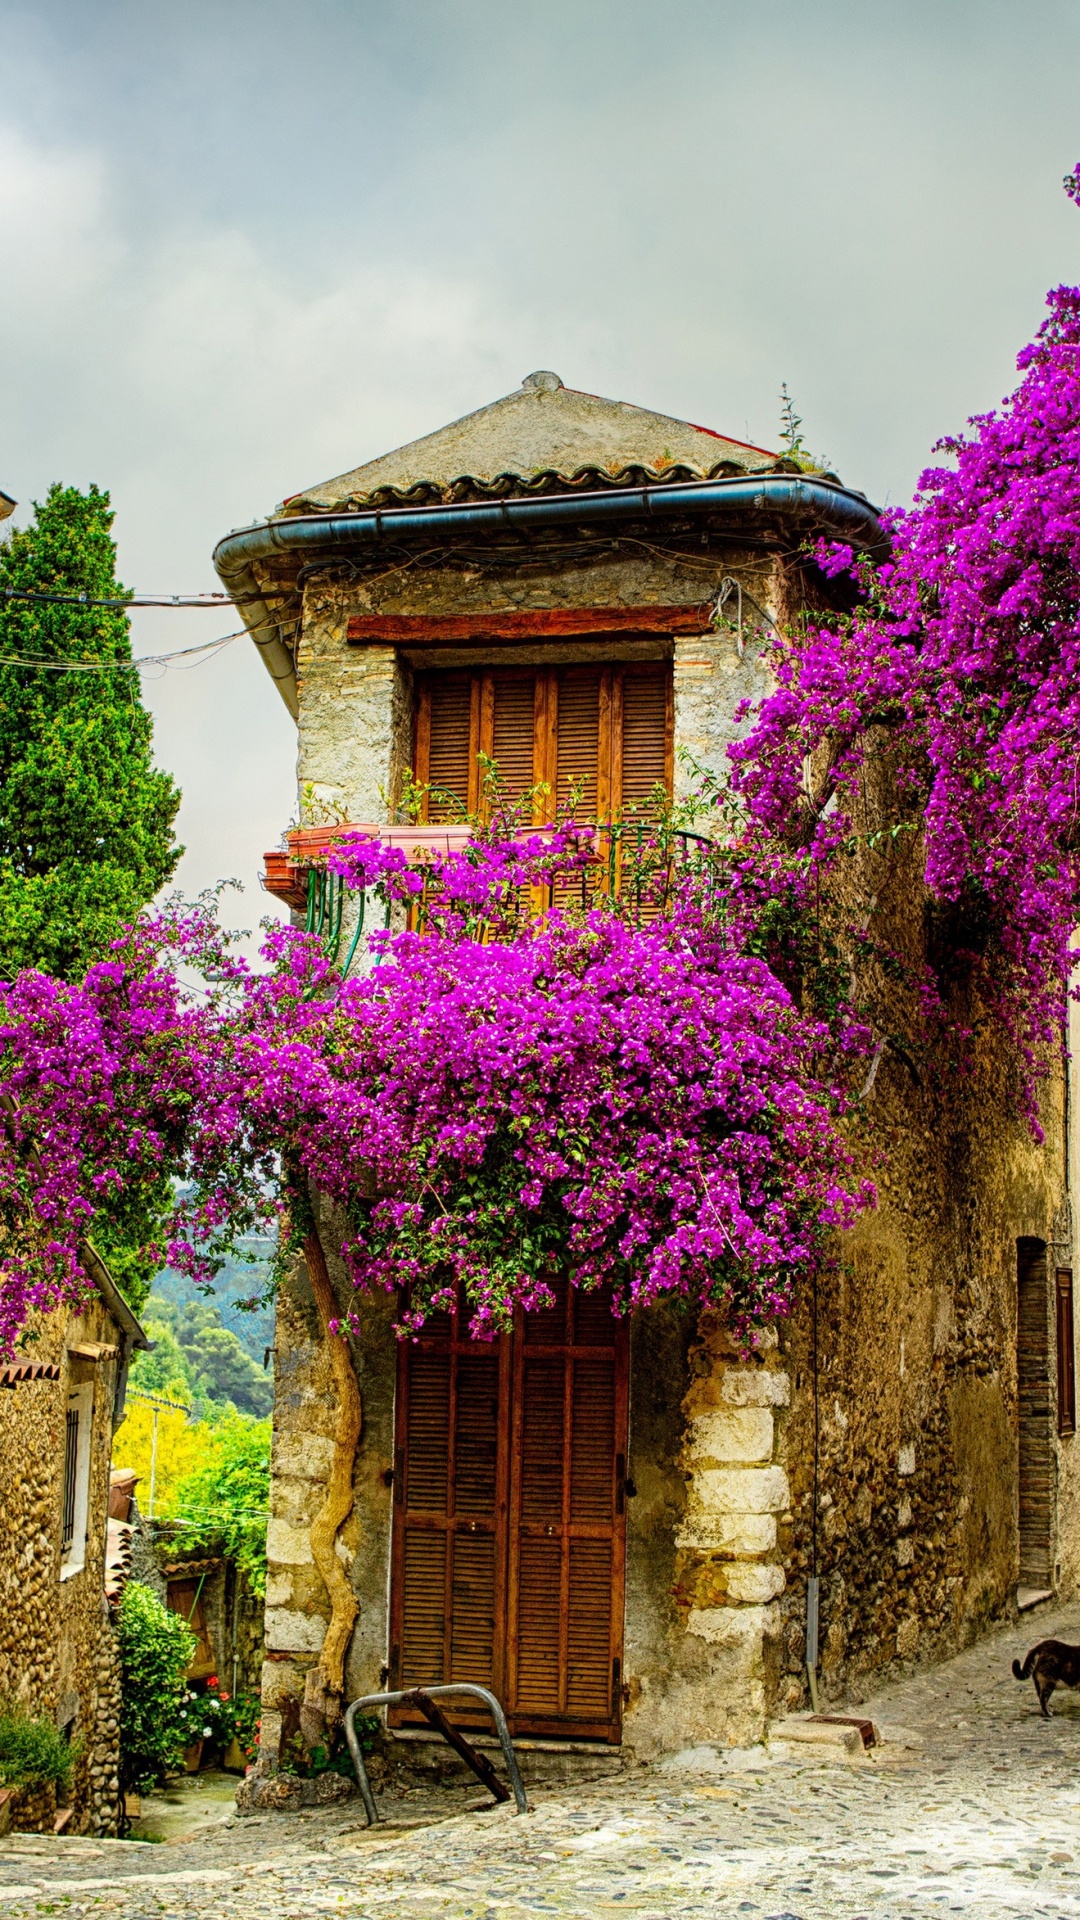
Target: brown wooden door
pixel 509 1515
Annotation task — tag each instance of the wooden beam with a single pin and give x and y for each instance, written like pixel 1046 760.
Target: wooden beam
pixel 532 623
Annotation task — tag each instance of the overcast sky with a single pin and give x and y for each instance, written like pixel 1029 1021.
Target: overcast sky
pixel 247 245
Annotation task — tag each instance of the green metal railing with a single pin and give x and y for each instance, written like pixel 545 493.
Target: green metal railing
pixel 631 856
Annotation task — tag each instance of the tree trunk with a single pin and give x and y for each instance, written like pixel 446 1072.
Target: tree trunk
pixel 325 1687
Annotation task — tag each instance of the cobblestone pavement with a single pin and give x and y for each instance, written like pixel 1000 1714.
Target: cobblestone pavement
pixel 974 1809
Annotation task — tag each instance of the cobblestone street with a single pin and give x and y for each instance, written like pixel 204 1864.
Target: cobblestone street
pixel 970 1805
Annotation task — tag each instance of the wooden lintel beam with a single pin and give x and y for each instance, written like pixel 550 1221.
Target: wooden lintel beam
pixel 530 623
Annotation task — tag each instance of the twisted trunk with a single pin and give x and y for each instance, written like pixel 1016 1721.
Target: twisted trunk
pixel 325 1686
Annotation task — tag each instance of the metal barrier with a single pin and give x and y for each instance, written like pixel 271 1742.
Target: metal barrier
pixel 422 1698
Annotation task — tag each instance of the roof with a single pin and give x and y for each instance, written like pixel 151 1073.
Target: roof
pixel 21 1370
pixel 113 1298
pixel 118 1557
pixel 544 438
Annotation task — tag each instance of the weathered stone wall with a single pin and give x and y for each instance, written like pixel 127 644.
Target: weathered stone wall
pixel 57 1655
pixel 916 1403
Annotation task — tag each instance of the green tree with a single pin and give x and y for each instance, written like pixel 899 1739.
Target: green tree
pixel 226 1501
pixel 225 1372
pixel 86 819
pixel 155 1653
pixel 198 1360
pixel 165 1370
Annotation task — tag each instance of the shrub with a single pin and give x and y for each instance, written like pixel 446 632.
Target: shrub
pixel 33 1752
pixel 155 1652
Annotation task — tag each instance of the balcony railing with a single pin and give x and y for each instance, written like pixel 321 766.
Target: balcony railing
pixel 633 862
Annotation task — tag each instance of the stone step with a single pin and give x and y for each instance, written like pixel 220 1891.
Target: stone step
pixel 545 1763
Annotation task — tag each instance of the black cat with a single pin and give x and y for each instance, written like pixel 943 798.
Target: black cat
pixel 1051 1664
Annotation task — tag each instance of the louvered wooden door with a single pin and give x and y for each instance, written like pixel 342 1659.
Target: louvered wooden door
pixel 509 1535
pixel 567 1518
pixel 450 1480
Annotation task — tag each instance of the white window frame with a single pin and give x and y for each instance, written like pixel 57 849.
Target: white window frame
pixel 80 1400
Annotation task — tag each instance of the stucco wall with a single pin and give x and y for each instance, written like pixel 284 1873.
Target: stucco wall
pixel 57 1653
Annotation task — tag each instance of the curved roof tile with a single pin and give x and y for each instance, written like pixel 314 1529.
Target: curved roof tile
pixel 545 438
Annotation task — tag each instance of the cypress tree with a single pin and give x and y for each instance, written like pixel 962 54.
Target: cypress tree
pixel 86 819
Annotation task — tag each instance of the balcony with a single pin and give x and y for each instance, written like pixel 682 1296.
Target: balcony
pixel 631 862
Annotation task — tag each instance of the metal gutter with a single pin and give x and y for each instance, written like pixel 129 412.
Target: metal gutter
pixel 829 507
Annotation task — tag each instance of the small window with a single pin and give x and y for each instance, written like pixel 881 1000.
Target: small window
pixel 1066 1357
pixel 76 1492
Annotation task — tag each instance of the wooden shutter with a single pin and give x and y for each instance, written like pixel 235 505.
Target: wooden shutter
pixel 1066 1354
pixel 645 748
pixel 518 714
pixel 567 1518
pixel 185 1597
pixel 446 743
pixel 610 727
pixel 449 1491
pixel 577 757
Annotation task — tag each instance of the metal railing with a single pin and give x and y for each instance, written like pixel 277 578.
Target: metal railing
pixel 423 1698
pixel 631 861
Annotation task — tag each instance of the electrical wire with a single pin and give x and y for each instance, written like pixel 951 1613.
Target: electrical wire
pixel 44 665
pixel 213 600
pixel 206 649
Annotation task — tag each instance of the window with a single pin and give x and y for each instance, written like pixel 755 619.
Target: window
pixel 76 1493
pixel 1066 1359
pixel 605 731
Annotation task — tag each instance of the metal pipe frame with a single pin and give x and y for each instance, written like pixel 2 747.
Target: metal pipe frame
pixel 394 1699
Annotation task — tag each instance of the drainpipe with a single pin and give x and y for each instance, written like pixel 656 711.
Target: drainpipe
pixel 828 507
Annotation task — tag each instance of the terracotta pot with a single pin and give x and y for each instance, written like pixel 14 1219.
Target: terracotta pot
pixel 193 1756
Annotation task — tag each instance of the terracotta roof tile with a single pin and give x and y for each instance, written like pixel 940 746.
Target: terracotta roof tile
pixel 545 438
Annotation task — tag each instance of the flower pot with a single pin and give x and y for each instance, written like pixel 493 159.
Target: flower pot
pixel 193 1756
pixel 234 1759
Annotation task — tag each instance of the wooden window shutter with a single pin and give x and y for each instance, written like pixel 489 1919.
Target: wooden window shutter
pixel 608 730
pixel 645 748
pixel 1066 1354
pixel 577 758
pixel 445 754
pixel 518 717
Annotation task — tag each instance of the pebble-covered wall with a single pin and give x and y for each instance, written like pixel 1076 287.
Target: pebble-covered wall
pixel 58 1654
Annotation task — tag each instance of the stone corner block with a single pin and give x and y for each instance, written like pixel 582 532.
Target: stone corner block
pixel 734 1626
pixel 733 1434
pixel 750 1584
pixel 756 1387
pixel 287 1545
pixel 290 1632
pixel 742 1489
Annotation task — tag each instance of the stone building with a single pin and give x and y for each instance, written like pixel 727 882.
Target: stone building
pixel 618 1525
pixel 61 1557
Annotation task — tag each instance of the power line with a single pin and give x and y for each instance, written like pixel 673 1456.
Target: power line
pixel 45 665
pixel 212 600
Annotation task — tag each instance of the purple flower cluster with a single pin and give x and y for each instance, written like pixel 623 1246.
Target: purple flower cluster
pixel 964 654
pixel 643 1105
